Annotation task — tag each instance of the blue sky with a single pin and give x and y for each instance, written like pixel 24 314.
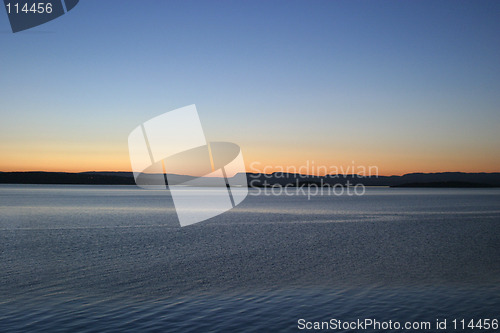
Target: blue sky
pixel 405 85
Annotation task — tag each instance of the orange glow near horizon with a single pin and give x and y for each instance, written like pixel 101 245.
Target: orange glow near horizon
pixel 57 156
pixel 382 165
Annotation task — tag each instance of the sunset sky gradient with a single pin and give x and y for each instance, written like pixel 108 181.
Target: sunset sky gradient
pixel 407 86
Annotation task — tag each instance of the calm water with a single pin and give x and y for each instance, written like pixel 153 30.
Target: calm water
pixel 112 258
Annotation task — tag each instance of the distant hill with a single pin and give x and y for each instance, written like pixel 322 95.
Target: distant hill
pixel 474 178
pixel 408 180
pixel 442 179
pixel 452 184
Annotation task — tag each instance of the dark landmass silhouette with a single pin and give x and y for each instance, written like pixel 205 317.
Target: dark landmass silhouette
pixel 91 178
pixel 442 179
pixel 453 184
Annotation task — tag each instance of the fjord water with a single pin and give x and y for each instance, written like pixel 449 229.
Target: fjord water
pixel 113 258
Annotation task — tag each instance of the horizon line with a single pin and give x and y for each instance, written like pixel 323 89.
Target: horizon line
pixel 276 172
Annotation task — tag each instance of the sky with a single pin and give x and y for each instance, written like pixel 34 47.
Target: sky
pixel 406 86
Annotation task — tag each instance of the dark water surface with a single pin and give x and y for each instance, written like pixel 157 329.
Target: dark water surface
pixel 113 258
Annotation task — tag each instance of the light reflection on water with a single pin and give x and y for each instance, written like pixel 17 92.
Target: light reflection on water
pixel 91 258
